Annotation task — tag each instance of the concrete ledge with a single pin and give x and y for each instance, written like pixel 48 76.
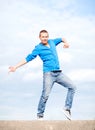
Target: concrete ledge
pixel 48 125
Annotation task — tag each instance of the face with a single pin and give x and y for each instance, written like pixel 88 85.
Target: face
pixel 44 38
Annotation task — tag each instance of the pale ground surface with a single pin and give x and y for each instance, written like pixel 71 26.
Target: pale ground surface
pixel 48 125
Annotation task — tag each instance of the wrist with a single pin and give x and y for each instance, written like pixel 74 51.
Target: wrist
pixel 15 67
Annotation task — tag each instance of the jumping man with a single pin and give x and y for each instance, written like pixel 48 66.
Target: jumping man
pixel 52 73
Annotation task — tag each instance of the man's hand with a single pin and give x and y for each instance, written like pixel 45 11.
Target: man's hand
pixel 12 69
pixel 66 45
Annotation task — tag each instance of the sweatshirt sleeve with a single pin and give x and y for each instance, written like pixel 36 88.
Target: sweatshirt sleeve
pixel 32 55
pixel 57 41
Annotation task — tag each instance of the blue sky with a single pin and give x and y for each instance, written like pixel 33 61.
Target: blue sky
pixel 20 23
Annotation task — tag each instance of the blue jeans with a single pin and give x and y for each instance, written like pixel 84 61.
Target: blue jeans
pixel 49 78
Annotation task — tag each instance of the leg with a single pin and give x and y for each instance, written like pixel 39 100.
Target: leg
pixel 66 82
pixel 47 85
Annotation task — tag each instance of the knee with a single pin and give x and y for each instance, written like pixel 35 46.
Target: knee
pixel 45 97
pixel 74 88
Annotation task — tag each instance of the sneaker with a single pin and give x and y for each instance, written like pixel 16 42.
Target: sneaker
pixel 67 113
pixel 40 117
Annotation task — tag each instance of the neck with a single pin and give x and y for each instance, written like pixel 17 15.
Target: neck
pixel 47 45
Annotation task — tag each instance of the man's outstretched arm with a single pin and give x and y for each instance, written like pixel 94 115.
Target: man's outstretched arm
pixel 13 68
pixel 66 45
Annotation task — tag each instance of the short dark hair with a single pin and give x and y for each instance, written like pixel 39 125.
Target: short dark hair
pixel 43 31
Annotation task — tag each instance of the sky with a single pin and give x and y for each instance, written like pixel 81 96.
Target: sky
pixel 20 23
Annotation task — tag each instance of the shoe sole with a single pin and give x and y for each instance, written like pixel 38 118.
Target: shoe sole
pixel 68 117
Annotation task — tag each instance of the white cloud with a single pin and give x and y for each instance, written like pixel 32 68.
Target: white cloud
pixel 84 75
pixel 65 56
pixel 32 72
pixel 32 76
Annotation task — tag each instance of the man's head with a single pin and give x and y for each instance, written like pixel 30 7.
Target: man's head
pixel 43 35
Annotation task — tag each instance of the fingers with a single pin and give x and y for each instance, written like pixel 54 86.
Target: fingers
pixel 11 69
pixel 66 46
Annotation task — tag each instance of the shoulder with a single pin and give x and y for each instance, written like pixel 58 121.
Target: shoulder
pixel 55 39
pixel 37 46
